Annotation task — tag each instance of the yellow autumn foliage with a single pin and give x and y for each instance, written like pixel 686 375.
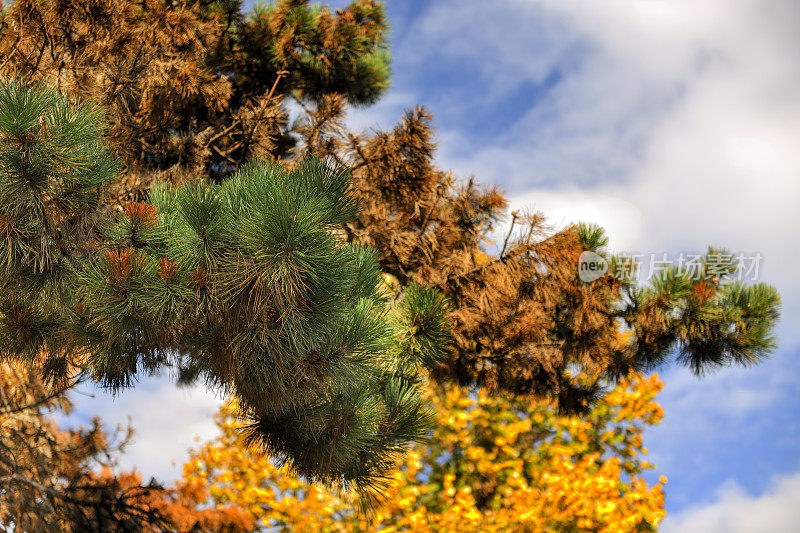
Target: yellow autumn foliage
pixel 493 464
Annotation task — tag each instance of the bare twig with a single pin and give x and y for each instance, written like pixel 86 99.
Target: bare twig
pixel 514 215
pixel 81 377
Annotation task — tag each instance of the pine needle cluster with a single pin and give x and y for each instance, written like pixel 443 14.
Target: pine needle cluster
pixel 249 285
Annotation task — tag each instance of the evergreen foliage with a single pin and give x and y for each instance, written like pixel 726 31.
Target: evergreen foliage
pixel 710 322
pixel 197 89
pixel 248 284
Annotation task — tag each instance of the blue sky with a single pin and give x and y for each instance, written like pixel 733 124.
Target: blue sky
pixel 675 125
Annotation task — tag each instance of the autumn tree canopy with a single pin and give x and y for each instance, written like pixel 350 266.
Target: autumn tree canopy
pixel 54 480
pixel 194 89
pixel 148 248
pixel 494 463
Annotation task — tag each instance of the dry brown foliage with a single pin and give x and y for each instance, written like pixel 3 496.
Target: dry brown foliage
pixel 62 480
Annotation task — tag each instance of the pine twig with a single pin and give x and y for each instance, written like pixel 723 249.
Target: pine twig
pixel 514 215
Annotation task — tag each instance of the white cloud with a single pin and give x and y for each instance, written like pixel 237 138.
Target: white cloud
pixel 687 112
pixel 621 219
pixel 690 108
pixel 735 511
pixel 382 115
pixel 166 420
pixel 724 169
pixel 503 51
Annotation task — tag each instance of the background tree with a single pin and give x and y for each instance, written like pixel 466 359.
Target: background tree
pixel 193 89
pixel 195 93
pixel 523 320
pixel 54 480
pixel 495 463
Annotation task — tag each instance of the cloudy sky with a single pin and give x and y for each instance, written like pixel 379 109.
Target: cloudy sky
pixel 675 125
